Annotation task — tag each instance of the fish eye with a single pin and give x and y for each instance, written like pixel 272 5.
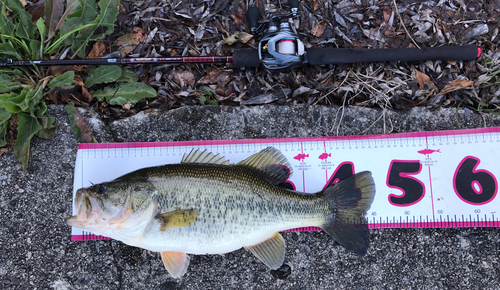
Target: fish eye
pixel 102 188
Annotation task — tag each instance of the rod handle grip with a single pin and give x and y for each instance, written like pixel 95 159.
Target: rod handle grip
pixel 330 55
pixel 246 58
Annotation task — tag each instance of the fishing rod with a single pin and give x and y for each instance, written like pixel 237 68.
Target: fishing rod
pixel 281 48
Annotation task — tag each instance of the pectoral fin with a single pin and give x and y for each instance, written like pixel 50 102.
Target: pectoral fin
pixel 271 252
pixel 176 263
pixel 177 218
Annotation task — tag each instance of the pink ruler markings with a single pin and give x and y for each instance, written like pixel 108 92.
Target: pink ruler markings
pixel 286 140
pixel 371 224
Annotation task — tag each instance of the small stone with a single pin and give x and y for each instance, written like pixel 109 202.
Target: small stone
pixel 282 272
pixel 169 285
pixel 295 237
pixel 464 243
pixel 67 166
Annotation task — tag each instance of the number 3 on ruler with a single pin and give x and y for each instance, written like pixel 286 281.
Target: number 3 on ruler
pixel 473 186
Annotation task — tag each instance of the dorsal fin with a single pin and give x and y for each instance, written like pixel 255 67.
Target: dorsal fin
pixel 271 162
pixel 198 156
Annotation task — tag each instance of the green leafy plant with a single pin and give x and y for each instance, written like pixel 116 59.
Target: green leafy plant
pixel 125 88
pixel 208 96
pixel 23 90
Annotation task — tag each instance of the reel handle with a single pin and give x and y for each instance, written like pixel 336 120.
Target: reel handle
pixel 293 4
pixel 253 15
pixel 330 55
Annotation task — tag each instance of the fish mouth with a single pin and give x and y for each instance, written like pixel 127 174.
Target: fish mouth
pixel 87 208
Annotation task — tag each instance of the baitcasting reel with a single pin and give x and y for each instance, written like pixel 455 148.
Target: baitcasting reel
pixel 280 47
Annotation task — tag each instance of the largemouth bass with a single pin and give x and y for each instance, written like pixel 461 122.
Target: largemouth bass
pixel 205 205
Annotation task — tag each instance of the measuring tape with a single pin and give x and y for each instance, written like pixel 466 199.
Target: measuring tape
pixel 423 179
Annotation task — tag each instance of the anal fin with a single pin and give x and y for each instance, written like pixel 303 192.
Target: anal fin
pixel 176 263
pixel 271 252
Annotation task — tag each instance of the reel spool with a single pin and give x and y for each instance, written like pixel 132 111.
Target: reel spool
pixel 281 49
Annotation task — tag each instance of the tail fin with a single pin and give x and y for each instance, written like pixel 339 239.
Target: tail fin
pixel 349 201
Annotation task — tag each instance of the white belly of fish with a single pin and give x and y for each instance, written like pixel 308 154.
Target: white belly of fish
pixel 217 239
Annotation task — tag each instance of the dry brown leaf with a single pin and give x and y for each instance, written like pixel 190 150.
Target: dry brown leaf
pixel 317 4
pixel 240 36
pixel 37 13
pixel 423 80
pixel 12 130
pixel 215 76
pixel 456 85
pixel 86 97
pixel 129 42
pixel 59 70
pixel 23 2
pixel 77 80
pixel 97 50
pixel 183 78
pixel 75 93
pixel 237 17
pixel 86 133
pixel 4 150
pixel 319 29
pixel 144 34
pixel 387 13
pixel 121 8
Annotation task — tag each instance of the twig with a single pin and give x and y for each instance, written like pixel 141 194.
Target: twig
pixel 342 116
pixel 401 20
pixel 343 81
pixel 381 115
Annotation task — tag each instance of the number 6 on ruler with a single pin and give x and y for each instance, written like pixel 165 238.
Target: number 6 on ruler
pixel 474 186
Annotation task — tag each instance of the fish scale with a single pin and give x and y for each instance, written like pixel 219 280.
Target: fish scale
pixel 252 205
